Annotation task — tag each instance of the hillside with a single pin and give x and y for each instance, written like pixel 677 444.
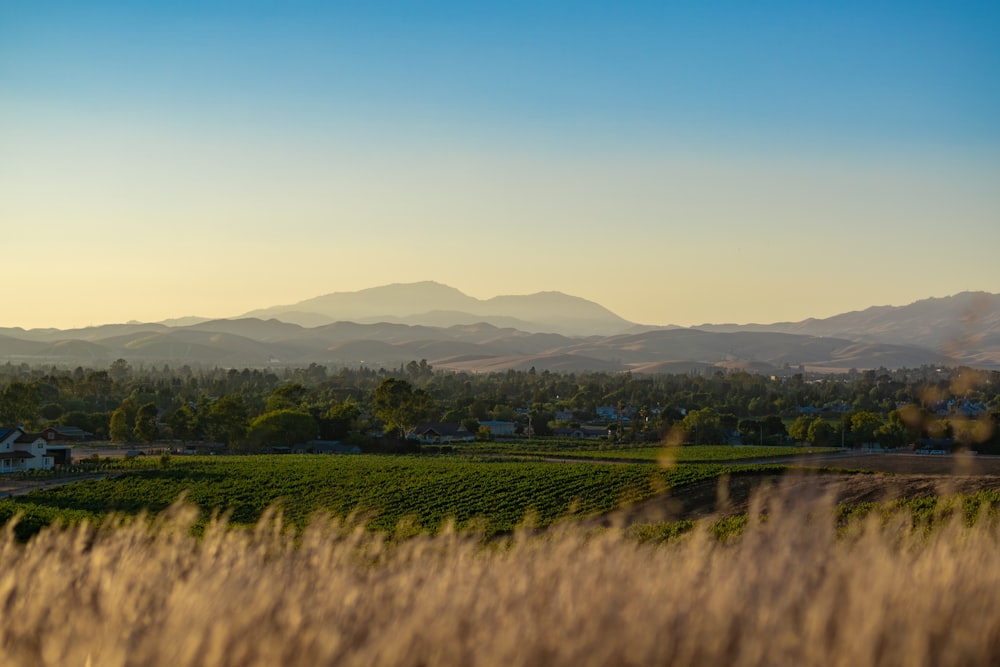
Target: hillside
pixel 433 304
pixel 955 325
pixel 478 348
pixel 547 330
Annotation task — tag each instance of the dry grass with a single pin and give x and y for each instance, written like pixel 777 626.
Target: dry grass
pixel 788 592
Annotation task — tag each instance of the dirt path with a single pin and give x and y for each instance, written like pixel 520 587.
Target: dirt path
pixel 732 495
pixel 10 488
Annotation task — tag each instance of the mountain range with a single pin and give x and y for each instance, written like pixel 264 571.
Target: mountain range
pixel 394 324
pixel 433 304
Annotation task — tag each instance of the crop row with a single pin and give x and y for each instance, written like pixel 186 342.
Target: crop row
pixel 428 490
pixel 689 453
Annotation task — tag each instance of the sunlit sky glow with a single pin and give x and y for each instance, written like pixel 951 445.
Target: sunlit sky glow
pixel 676 162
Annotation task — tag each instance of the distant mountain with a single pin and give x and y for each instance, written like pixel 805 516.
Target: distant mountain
pixel 961 327
pixel 522 332
pixel 433 304
pixel 480 347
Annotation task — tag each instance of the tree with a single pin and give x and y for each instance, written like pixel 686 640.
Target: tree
pixel 820 433
pixel 120 371
pixel 894 432
pixel 183 423
pixel 51 411
pixel 227 419
pixel 540 422
pixel 119 430
pixel 281 428
pixel 799 430
pixel 702 426
pixel 398 405
pixel 339 420
pixel 751 431
pixel 145 423
pixel 774 429
pixel 19 404
pixel 286 397
pixel 864 425
pixel 92 422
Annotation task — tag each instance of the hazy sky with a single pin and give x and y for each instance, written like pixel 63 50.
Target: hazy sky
pixel 678 162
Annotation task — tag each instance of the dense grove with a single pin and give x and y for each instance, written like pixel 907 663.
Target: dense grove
pixel 251 409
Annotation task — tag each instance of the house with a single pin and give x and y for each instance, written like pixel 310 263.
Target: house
pixel 65 434
pixel 433 432
pixel 499 428
pixel 20 450
pixel 607 412
pixel 61 454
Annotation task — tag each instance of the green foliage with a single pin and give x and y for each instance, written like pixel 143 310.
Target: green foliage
pixel 820 433
pixel 702 426
pixel 398 405
pixel 287 397
pixel 664 531
pixel 145 428
pixel 430 490
pixel 119 429
pixel 339 420
pixel 183 423
pixel 864 426
pixel 730 527
pixel 281 428
pixel 20 404
pixel 227 419
pixel 685 454
pixel 799 430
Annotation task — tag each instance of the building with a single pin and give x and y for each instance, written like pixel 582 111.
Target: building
pixel 65 434
pixel 20 450
pixel 497 428
pixel 436 433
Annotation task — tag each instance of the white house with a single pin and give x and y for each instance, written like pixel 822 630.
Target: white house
pixel 23 451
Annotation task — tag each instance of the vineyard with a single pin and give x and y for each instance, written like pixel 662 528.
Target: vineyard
pixel 589 449
pixel 689 453
pixel 496 494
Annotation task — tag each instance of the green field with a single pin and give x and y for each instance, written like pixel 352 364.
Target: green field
pixel 427 489
pixel 690 453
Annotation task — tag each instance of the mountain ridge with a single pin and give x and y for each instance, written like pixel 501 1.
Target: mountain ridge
pixel 959 329
pixel 435 304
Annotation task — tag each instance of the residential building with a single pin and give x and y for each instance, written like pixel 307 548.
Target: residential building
pixel 434 432
pixel 498 428
pixel 20 450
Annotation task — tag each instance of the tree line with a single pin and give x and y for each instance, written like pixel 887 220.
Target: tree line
pixel 251 409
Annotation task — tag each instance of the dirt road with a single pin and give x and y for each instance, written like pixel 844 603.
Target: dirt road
pixel 12 487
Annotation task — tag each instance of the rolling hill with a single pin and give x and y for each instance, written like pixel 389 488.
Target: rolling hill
pixel 433 304
pixel 962 329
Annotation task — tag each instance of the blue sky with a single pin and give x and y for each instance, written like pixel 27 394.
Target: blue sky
pixel 677 162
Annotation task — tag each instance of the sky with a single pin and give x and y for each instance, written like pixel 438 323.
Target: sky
pixel 677 162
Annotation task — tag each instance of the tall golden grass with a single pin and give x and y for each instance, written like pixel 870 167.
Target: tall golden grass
pixel 793 590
